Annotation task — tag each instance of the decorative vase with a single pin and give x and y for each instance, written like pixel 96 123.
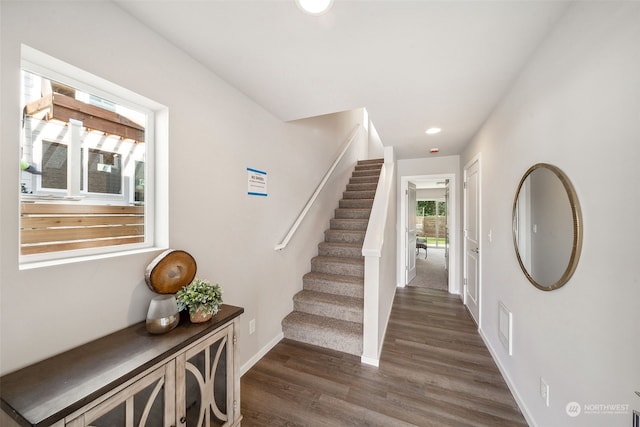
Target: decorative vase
pixel 162 315
pixel 198 317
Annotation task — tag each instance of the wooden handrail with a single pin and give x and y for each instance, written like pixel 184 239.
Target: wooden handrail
pixel 319 188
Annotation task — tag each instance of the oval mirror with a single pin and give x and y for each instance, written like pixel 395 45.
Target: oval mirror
pixel 547 226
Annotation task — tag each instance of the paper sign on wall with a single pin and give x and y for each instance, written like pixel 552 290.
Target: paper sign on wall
pixel 257 182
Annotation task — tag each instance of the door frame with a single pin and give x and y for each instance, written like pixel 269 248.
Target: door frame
pixel 410 248
pixel 476 159
pixel 452 209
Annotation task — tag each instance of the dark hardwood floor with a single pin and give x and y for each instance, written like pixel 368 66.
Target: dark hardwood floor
pixel 434 371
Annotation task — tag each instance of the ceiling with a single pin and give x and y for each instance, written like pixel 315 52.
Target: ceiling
pixel 411 64
pixel 429 184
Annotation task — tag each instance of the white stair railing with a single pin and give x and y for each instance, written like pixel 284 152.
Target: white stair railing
pixel 315 194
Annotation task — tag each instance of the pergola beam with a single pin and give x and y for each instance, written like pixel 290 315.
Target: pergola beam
pixel 62 107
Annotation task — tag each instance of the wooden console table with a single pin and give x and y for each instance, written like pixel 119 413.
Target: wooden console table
pixel 182 378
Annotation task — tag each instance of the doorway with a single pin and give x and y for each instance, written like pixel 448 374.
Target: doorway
pixel 437 233
pixel 432 245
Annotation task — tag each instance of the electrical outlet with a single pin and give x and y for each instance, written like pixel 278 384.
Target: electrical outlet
pixel 544 391
pixel 252 326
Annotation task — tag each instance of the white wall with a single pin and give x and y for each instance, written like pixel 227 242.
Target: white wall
pixel 376 149
pixel 577 106
pixel 437 194
pixel 215 134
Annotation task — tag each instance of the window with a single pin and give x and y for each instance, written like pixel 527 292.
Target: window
pixel 54 166
pixel 87 157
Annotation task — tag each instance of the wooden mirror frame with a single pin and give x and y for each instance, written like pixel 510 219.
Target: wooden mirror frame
pixel 577 227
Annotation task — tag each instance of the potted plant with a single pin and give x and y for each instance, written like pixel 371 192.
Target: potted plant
pixel 201 298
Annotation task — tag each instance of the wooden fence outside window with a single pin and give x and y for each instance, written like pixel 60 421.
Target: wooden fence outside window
pixel 52 227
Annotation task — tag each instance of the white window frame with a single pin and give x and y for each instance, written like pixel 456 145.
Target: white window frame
pixel 156 154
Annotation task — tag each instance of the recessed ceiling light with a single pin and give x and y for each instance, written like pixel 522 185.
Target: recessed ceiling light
pixel 314 7
pixel 434 150
pixel 433 131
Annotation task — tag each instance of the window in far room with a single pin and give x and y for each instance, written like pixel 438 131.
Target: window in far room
pixel 431 221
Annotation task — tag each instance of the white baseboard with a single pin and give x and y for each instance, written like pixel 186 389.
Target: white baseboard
pixel 370 361
pixel 260 354
pixel 521 404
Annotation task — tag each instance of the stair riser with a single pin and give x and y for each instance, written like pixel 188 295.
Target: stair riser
pixel 358 194
pixel 355 203
pixel 320 266
pixel 352 213
pixel 366 172
pixel 348 224
pixel 364 180
pixel 344 237
pixel 365 186
pixel 331 287
pixel 340 251
pixel 369 165
pixel 347 344
pixel 328 310
pixel 371 162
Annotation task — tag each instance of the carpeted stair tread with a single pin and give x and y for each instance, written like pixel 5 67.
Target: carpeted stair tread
pixel 368 194
pixel 345 302
pixel 362 186
pixel 338 265
pixel 334 283
pixel 370 161
pixel 372 166
pixel 355 203
pixel 344 236
pixel 349 223
pixel 340 249
pixel 339 260
pixel 323 304
pixel 354 213
pixel 324 332
pixel 367 179
pixel 366 172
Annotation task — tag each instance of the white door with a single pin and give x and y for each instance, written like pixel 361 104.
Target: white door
pixel 411 232
pixel 472 239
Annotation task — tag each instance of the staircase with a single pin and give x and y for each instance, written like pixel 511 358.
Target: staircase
pixel 328 311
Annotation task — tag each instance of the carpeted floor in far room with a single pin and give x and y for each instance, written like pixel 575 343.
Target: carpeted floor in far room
pixel 431 272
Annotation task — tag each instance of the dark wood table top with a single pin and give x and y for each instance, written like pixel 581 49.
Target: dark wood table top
pixel 47 391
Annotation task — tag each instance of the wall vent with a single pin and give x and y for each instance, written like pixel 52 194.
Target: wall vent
pixel 505 322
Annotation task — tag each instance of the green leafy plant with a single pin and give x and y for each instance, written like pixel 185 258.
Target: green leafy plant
pixel 200 295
